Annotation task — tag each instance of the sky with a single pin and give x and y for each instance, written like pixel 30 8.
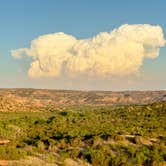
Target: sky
pixel 83 44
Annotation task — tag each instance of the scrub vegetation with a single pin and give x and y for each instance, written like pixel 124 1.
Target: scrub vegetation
pixel 94 135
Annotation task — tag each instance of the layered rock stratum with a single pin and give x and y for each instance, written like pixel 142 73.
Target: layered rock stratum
pixel 39 99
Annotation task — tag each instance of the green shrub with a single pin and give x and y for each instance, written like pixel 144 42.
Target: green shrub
pixel 11 153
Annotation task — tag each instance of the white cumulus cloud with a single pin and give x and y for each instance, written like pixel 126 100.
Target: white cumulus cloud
pixel 117 53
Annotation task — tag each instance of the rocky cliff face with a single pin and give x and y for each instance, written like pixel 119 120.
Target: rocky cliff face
pixel 36 99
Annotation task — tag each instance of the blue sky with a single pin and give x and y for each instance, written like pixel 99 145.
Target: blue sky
pixel 21 21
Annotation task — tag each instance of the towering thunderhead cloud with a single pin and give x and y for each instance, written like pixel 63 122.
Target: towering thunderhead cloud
pixel 118 53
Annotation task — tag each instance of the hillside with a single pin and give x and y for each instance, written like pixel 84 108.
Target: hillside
pixel 37 99
pixel 82 128
pixel 85 136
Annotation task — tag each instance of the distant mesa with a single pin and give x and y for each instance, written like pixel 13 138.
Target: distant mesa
pixel 38 100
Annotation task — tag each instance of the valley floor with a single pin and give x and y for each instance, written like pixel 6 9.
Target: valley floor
pixel 85 135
